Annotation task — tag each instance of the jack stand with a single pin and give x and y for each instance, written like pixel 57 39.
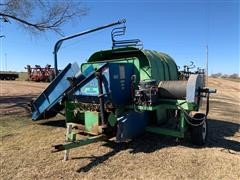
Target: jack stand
pixel 66 152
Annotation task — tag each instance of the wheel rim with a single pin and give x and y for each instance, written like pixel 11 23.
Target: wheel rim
pixel 204 130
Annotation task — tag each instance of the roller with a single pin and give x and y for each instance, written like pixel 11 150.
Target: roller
pixel 188 90
pixel 172 89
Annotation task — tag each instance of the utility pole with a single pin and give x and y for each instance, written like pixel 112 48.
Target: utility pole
pixel 207 65
pixel 5 61
pixel 1 47
pixel 3 19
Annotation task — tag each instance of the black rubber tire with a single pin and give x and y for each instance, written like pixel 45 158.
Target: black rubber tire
pixel 199 134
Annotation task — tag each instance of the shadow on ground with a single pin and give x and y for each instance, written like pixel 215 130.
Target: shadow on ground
pixel 54 123
pixel 221 134
pixel 19 103
pixel 219 131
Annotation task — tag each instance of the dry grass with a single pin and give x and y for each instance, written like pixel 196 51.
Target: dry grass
pixel 22 76
pixel 25 148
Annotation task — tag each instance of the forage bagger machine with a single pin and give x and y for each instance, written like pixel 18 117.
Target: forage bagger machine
pixel 122 93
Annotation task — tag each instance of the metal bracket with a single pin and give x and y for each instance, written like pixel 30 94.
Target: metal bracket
pixel 120 31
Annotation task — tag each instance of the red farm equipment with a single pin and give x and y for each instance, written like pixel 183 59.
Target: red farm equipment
pixel 38 73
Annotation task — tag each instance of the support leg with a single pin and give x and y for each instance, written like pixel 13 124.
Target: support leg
pixel 66 152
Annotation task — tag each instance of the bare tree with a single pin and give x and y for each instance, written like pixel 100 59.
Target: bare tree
pixel 42 15
pixel 217 75
pixel 234 76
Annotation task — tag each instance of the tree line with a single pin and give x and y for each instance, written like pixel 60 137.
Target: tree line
pixel 220 75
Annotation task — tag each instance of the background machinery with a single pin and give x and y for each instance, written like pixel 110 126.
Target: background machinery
pixel 38 73
pixel 124 92
pixel 8 75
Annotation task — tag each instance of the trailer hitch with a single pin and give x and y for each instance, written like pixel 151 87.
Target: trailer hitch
pixel 75 144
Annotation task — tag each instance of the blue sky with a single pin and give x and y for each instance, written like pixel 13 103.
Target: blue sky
pixel 181 29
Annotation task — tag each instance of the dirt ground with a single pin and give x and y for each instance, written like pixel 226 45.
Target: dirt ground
pixel 16 95
pixel 25 145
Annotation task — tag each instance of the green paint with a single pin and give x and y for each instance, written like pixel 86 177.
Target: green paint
pixel 73 114
pixel 167 104
pixel 112 119
pixel 148 64
pixel 71 137
pixel 161 114
pixel 182 123
pixel 91 121
pixel 82 142
pixel 167 132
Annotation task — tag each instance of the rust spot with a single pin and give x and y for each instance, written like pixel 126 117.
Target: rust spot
pixel 80 127
pixel 94 129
